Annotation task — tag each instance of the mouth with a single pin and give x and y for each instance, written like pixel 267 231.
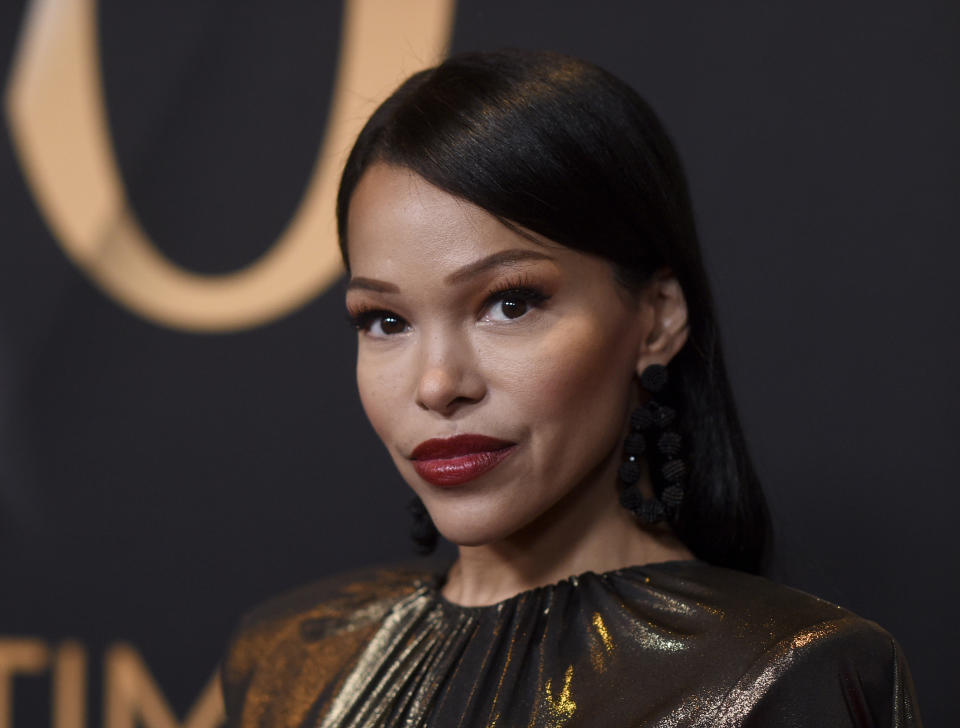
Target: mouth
pixel 456 460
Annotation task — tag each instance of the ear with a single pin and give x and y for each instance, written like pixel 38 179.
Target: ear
pixel 664 308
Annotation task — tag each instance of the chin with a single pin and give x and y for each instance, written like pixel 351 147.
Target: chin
pixel 473 534
pixel 464 530
pixel 467 541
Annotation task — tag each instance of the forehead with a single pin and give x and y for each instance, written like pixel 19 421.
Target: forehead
pixel 397 218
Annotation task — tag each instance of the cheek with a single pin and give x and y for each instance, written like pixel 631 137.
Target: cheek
pixel 379 391
pixel 577 377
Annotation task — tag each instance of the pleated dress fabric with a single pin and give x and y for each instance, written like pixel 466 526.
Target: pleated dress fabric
pixel 673 644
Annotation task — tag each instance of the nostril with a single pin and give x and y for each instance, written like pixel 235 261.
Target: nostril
pixel 449 378
pixel 447 399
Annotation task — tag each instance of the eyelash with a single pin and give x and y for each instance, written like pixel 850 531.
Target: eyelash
pixel 517 288
pixel 364 318
pixel 520 288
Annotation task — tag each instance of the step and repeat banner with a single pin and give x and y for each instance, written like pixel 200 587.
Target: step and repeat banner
pixel 179 433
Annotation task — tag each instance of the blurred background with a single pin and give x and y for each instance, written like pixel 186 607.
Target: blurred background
pixel 179 433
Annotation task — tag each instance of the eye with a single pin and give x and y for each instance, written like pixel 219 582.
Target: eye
pixel 379 324
pixel 389 324
pixel 513 303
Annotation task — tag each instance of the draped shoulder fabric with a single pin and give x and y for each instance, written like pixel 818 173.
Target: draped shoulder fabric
pixel 673 644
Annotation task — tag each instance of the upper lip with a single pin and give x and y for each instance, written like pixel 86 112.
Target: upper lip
pixel 457 446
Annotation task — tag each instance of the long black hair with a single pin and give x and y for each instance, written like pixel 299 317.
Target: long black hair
pixel 561 147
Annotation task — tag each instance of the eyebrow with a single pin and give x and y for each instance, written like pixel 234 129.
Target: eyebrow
pixel 371 284
pixel 495 260
pixel 504 257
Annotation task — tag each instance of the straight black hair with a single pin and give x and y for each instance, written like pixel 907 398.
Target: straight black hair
pixel 560 147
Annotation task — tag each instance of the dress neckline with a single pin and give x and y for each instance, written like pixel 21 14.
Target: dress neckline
pixel 574 581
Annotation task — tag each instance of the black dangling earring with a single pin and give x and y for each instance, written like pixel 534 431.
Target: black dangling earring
pixel 651 433
pixel 423 532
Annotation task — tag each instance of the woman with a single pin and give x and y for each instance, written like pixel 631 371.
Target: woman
pixel 538 353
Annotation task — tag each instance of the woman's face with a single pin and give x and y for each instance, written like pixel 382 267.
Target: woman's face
pixel 467 328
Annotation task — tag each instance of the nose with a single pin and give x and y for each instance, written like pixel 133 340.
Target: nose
pixel 449 378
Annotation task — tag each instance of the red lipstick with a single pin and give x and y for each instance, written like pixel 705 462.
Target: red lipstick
pixel 456 460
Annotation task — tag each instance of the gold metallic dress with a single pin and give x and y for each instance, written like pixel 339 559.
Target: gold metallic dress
pixel 673 644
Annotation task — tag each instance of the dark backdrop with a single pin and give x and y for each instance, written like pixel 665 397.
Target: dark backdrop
pixel 154 483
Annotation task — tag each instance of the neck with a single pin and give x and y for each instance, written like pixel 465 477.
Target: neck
pixel 586 531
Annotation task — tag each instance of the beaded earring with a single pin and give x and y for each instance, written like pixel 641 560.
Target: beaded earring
pixel 652 434
pixel 423 532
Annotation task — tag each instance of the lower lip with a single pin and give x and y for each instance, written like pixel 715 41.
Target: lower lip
pixel 461 469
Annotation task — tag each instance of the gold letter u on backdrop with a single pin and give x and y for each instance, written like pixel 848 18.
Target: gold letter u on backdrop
pixel 58 122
